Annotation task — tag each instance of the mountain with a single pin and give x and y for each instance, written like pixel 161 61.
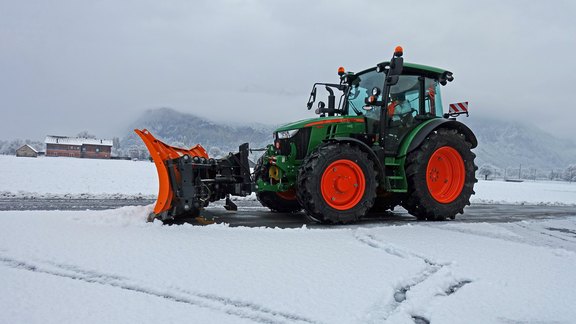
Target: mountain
pixel 186 130
pixel 508 144
pixel 504 144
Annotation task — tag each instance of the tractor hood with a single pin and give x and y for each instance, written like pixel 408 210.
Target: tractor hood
pixel 297 124
pixel 319 121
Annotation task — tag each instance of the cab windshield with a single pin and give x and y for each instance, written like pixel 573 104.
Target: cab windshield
pixel 408 87
pixel 362 88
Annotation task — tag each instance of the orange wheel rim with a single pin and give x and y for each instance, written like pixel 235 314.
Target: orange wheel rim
pixel 343 184
pixel 445 174
pixel 288 195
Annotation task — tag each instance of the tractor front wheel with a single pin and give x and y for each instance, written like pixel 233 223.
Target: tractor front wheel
pixel 336 183
pixel 441 176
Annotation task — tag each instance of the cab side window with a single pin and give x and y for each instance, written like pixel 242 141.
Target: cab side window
pixel 433 101
pixel 404 98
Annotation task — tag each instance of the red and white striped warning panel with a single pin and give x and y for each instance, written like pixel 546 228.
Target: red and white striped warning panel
pixel 459 108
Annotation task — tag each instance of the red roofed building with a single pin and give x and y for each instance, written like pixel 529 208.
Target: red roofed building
pixel 78 147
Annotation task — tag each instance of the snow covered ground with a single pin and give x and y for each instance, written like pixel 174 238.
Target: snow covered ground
pixel 112 266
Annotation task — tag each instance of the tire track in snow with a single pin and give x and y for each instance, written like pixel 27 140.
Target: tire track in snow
pixel 567 244
pixel 371 241
pixel 546 233
pixel 228 306
pixel 456 286
pixel 565 231
pixel 420 320
pixel 400 297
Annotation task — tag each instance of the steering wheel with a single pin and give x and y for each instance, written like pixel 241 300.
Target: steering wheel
pixel 402 115
pixel 406 117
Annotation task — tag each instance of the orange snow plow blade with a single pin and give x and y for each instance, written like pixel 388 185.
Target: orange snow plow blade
pixel 160 153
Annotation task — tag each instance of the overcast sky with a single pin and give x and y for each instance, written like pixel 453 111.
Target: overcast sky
pixel 69 66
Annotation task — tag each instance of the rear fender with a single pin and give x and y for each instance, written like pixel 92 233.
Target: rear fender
pixel 423 132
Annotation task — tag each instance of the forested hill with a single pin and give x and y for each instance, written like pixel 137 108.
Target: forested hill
pixel 186 130
pixel 509 144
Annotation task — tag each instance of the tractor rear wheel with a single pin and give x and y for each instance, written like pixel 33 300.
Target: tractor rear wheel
pixel 282 202
pixel 441 176
pixel 336 183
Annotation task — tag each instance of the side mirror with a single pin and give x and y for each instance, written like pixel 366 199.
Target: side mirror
pixel 312 98
pixel 445 78
pixel 321 106
pixel 396 66
pixel 372 100
pixel 349 79
pixel 392 80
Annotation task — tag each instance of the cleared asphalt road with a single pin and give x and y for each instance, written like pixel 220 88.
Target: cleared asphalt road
pixel 251 214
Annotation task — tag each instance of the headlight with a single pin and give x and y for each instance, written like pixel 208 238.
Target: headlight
pixel 287 134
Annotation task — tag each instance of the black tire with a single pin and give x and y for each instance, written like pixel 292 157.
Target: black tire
pixel 352 203
pixel 421 201
pixel 272 200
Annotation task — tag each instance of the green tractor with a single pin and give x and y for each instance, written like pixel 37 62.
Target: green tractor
pixel 386 142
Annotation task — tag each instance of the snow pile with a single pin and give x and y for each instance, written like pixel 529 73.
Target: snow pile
pixel 67 266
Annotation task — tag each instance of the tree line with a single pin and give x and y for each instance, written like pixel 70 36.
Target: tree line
pixel 489 171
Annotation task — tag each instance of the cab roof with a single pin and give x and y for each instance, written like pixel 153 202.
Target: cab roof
pixel 430 69
pixel 418 69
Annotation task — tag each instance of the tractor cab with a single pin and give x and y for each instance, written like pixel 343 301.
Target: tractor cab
pixel 392 101
pixel 414 97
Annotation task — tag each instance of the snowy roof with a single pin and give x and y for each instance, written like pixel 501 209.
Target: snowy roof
pixel 33 149
pixel 51 139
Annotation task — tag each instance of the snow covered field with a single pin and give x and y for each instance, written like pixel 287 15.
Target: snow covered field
pixel 110 266
pixel 48 177
pixel 69 177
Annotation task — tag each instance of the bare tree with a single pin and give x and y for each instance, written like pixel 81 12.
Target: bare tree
pixel 487 170
pixel 570 173
pixel 116 146
pixel 10 147
pixel 85 134
pixel 215 152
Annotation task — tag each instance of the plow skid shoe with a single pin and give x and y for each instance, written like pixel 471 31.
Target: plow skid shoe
pixel 188 179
